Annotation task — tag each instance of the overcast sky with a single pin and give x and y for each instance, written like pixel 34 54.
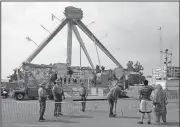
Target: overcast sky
pixel 130 27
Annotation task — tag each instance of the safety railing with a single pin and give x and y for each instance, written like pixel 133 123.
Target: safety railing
pixel 29 110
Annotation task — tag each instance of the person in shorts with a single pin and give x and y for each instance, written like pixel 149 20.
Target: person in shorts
pixel 145 102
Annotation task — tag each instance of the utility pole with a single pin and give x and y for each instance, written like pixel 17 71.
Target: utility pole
pixel 80 56
pixel 166 60
pixel 170 62
pixel 139 71
pixel 160 45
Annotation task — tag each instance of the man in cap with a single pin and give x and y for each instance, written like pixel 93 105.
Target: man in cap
pixel 113 95
pixel 83 93
pixel 58 93
pixel 42 100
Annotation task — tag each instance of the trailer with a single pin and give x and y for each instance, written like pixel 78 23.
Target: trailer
pixel 31 75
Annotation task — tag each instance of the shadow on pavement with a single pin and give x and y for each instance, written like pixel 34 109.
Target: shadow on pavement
pixel 167 124
pixel 128 117
pixel 170 124
pixel 60 120
pixel 81 116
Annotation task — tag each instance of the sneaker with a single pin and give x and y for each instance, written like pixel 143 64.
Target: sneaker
pixel 149 122
pixel 112 116
pixel 41 120
pixel 60 114
pixel 139 122
pixel 55 115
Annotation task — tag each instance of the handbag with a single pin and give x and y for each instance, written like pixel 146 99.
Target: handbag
pixel 157 107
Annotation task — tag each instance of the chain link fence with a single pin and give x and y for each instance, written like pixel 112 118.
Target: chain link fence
pixel 29 110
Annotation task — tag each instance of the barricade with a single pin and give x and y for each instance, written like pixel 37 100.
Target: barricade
pixel 13 110
pixel 29 110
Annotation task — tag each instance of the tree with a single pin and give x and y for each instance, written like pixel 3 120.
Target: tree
pixel 135 78
pixel 13 77
pixel 130 66
pixel 138 67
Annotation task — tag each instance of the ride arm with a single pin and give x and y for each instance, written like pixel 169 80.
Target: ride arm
pixel 98 43
pixel 36 65
pixel 76 32
pixel 69 44
pixel 46 41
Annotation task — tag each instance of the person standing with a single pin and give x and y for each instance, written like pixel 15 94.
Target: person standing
pixel 113 95
pixel 58 93
pixel 83 93
pixel 160 102
pixel 145 102
pixel 42 101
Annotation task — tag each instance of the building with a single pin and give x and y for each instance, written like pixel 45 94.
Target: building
pixel 173 71
pixel 161 73
pixel 158 73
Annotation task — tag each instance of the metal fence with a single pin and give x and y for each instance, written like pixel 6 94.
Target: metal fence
pixel 13 110
pixel 24 110
pixel 29 110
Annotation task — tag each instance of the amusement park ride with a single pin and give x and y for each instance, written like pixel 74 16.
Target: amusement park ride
pixel 72 18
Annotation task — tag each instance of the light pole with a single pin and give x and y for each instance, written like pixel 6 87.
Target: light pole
pixel 166 60
pixel 160 44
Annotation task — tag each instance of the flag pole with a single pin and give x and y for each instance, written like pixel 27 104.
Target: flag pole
pixel 45 29
pixel 53 16
pixel 29 39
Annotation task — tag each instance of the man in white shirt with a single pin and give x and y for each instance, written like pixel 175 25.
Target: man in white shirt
pixel 42 100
